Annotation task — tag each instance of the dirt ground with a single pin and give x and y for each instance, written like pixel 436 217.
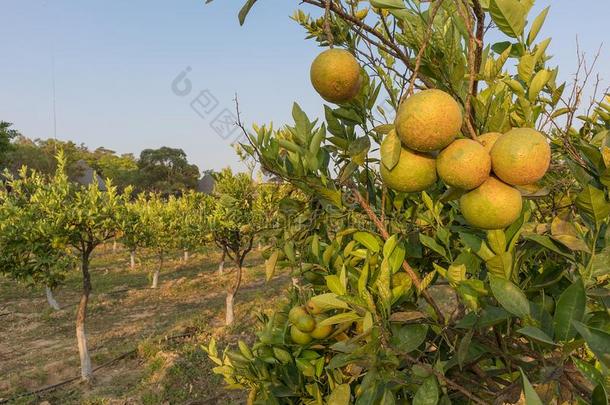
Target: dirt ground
pixel 125 317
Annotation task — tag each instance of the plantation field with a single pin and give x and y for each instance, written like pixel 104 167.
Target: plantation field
pixel 155 334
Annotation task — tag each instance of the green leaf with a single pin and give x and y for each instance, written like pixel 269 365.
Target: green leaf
pixel 599 396
pixel 340 395
pixel 525 69
pixel 368 240
pixel 270 265
pixel 388 4
pixel 509 296
pixel 501 265
pixel 531 397
pixel 432 244
pixel 564 231
pixel 335 285
pixel 340 318
pixel 597 340
pixel 408 337
pixel 570 307
pixel 536 25
pixel 593 201
pixel 390 151
pixel 243 13
pixel 329 301
pixel 540 79
pixel 358 149
pixel 462 351
pixel 497 240
pixel 509 16
pixel 536 334
pixel 548 243
pixel 427 393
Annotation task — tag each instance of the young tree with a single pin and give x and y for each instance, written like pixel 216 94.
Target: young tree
pixel 470 287
pixel 134 233
pixel 236 218
pixel 78 217
pixel 160 221
pixel 32 252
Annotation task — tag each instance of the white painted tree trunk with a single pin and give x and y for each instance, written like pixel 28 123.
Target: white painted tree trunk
pixel 81 316
pixel 52 302
pixel 114 246
pixel 132 259
pixel 186 256
pixel 155 280
pixel 230 316
pixel 295 282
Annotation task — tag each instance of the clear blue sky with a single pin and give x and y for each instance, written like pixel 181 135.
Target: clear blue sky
pixel 115 62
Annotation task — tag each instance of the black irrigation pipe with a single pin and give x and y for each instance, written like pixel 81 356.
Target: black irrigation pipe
pixel 71 380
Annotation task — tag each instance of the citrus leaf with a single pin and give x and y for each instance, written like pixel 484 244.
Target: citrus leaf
pixel 368 240
pixel 536 334
pixel 531 397
pixel 340 318
pixel 509 16
pixel 536 25
pixel 509 296
pixel 388 4
pixel 390 151
pixel 427 393
pixel 270 265
pixel 340 395
pixel 597 340
pixel 570 307
pixel 328 301
pixel 243 13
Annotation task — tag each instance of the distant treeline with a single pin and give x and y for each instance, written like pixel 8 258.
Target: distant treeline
pixel 164 170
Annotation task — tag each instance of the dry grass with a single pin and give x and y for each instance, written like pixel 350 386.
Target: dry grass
pixel 38 347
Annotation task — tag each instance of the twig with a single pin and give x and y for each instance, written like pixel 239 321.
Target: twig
pixel 327 30
pixel 388 45
pixel 472 44
pixel 447 381
pixel 433 10
pixel 406 267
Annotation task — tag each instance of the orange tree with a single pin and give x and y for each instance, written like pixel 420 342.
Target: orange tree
pixel 61 218
pixel 461 276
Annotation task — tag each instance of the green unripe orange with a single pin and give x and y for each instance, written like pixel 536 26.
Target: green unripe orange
pixel 321 332
pixel 521 156
pixel 428 120
pixel 313 308
pixel 335 74
pixel 415 171
pixel 299 337
pixel 492 205
pixel 464 164
pixel 299 317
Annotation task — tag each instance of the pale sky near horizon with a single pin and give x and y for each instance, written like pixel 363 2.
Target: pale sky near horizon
pixel 115 63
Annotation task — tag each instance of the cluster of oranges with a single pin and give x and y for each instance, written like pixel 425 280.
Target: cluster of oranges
pixel 424 146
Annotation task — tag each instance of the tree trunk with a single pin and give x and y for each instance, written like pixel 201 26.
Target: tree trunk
pixel 155 280
pixel 51 299
pixel 114 246
pixel 81 316
pixel 295 282
pixel 230 315
pixel 186 255
pixel 132 259
pixel 221 265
